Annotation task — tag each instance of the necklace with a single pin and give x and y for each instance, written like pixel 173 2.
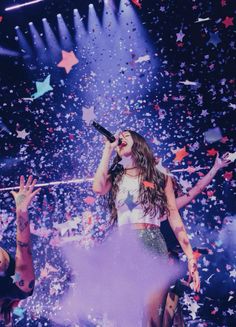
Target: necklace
pixel 131 175
pixel 130 168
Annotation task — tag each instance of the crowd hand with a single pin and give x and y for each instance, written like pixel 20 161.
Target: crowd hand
pixel 221 162
pixel 193 274
pixel 25 194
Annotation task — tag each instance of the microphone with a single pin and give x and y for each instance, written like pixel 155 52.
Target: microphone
pixel 105 132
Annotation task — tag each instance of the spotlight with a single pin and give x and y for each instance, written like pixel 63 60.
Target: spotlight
pixel 59 15
pixel 17 27
pixel 44 19
pixel 90 5
pixel 23 5
pixel 76 11
pixel 30 23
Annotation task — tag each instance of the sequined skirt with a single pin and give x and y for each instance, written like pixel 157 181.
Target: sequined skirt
pixel 154 241
pixel 151 238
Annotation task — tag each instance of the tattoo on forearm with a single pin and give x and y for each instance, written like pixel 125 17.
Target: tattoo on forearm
pixel 22 222
pixel 193 269
pixel 22 244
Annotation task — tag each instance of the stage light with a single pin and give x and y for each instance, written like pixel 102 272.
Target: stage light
pixel 65 37
pixel 22 5
pixel 94 25
pixel 23 44
pixel 51 40
pixel 38 42
pixel 8 52
pixel 80 33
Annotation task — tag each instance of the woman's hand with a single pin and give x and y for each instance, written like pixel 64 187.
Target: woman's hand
pixel 25 194
pixel 221 162
pixel 111 146
pixel 193 274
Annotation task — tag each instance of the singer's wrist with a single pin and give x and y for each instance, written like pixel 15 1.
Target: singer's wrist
pixel 107 149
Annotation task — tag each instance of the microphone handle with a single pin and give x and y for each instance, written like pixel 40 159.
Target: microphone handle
pixel 105 132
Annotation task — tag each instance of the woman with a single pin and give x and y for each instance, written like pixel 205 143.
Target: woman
pixel 172 308
pixel 140 195
pixel 17 275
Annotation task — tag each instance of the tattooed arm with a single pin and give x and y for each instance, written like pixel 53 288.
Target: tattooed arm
pixel 177 226
pixel 24 263
pixel 203 182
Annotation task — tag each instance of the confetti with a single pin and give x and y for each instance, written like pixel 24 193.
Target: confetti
pixel 213 135
pixel 68 61
pixel 148 184
pixel 42 88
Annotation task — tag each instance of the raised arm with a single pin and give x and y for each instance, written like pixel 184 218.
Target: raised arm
pixel 24 263
pixel 101 183
pixel 203 182
pixel 178 228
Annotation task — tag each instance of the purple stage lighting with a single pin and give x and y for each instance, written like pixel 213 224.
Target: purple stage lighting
pixel 22 5
pixel 65 37
pixel 23 44
pixel 37 41
pixel 51 40
pixel 7 52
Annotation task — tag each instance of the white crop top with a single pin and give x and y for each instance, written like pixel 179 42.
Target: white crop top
pixel 129 211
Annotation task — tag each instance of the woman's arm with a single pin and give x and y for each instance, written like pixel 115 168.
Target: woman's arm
pixel 178 228
pixel 24 263
pixel 101 182
pixel 203 182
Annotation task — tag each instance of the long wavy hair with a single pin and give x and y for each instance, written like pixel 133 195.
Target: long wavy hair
pixel 6 310
pixel 153 200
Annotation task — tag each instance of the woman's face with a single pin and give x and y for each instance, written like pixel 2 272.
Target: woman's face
pixel 125 149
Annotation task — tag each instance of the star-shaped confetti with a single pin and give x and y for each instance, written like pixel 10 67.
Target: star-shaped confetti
pixel 19 312
pixel 22 134
pixel 214 39
pixel 212 152
pixel 16 278
pixel 42 88
pixel 228 21
pixel 228 175
pixel 88 114
pixel 148 184
pixel 68 60
pixel 180 154
pixel 180 36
